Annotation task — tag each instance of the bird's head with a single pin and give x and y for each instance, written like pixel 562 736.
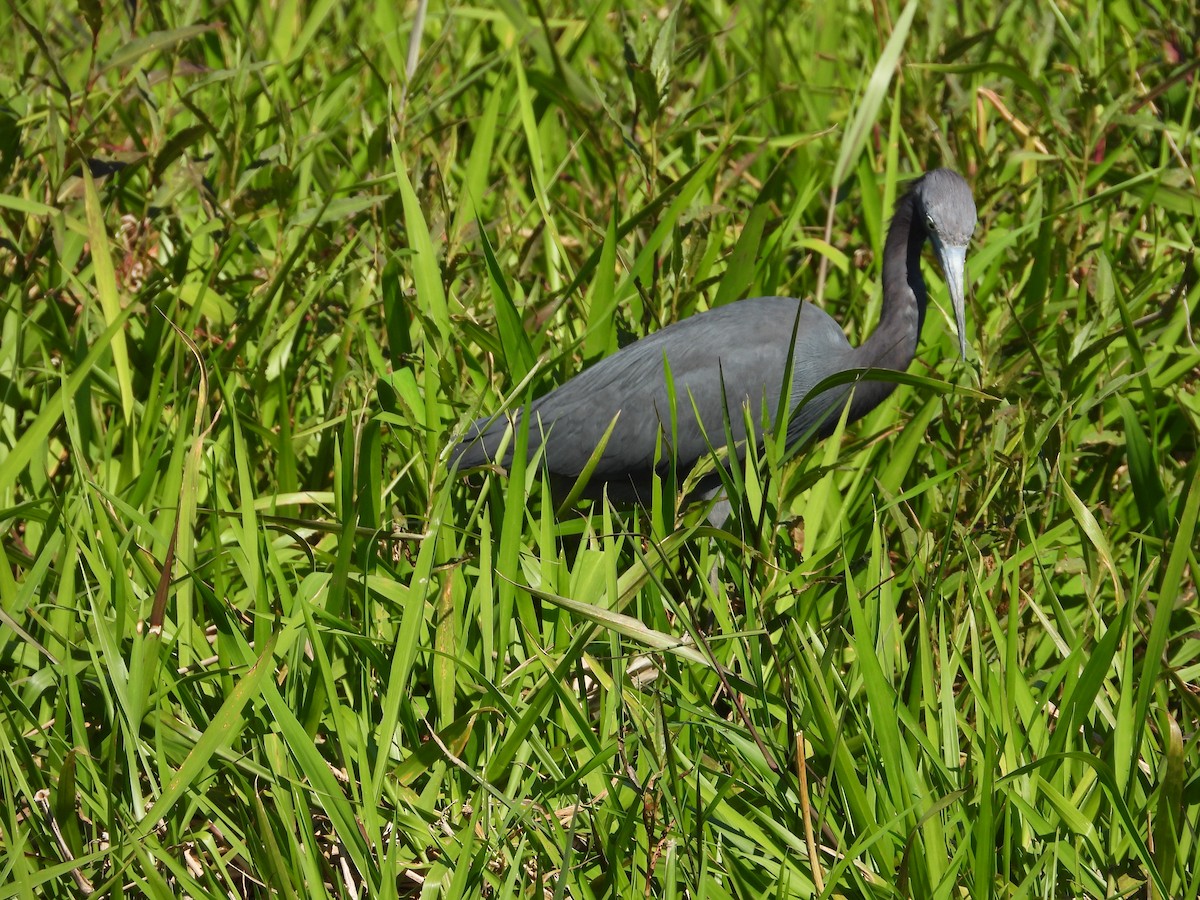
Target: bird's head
pixel 947 209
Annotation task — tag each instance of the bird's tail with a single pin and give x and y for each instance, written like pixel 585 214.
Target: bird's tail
pixel 481 444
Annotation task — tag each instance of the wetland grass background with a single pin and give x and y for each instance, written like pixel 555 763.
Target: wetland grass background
pixel 261 262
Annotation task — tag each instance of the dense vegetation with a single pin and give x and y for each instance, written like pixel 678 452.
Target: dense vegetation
pixel 261 263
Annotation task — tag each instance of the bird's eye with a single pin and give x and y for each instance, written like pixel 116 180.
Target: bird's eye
pixel 930 224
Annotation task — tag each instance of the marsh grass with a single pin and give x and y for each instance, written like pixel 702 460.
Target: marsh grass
pixel 261 264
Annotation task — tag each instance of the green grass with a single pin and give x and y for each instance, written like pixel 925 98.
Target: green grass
pixel 260 263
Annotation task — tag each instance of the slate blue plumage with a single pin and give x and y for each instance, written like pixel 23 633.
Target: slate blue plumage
pixel 744 345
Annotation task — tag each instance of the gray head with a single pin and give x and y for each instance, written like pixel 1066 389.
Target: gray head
pixel 945 205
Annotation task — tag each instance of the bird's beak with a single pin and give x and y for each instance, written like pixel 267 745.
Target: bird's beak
pixel 954 261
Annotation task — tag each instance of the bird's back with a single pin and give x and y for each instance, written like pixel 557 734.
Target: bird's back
pixel 738 352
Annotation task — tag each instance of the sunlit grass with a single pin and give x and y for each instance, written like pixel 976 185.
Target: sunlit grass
pixel 255 639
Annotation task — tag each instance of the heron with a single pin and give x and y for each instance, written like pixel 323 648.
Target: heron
pixel 721 359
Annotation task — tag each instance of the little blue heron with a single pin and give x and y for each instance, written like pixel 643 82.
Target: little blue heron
pixel 737 354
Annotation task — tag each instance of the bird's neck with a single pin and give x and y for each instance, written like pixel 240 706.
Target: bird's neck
pixel 893 343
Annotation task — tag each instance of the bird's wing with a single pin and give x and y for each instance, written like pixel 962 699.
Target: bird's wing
pixel 738 352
